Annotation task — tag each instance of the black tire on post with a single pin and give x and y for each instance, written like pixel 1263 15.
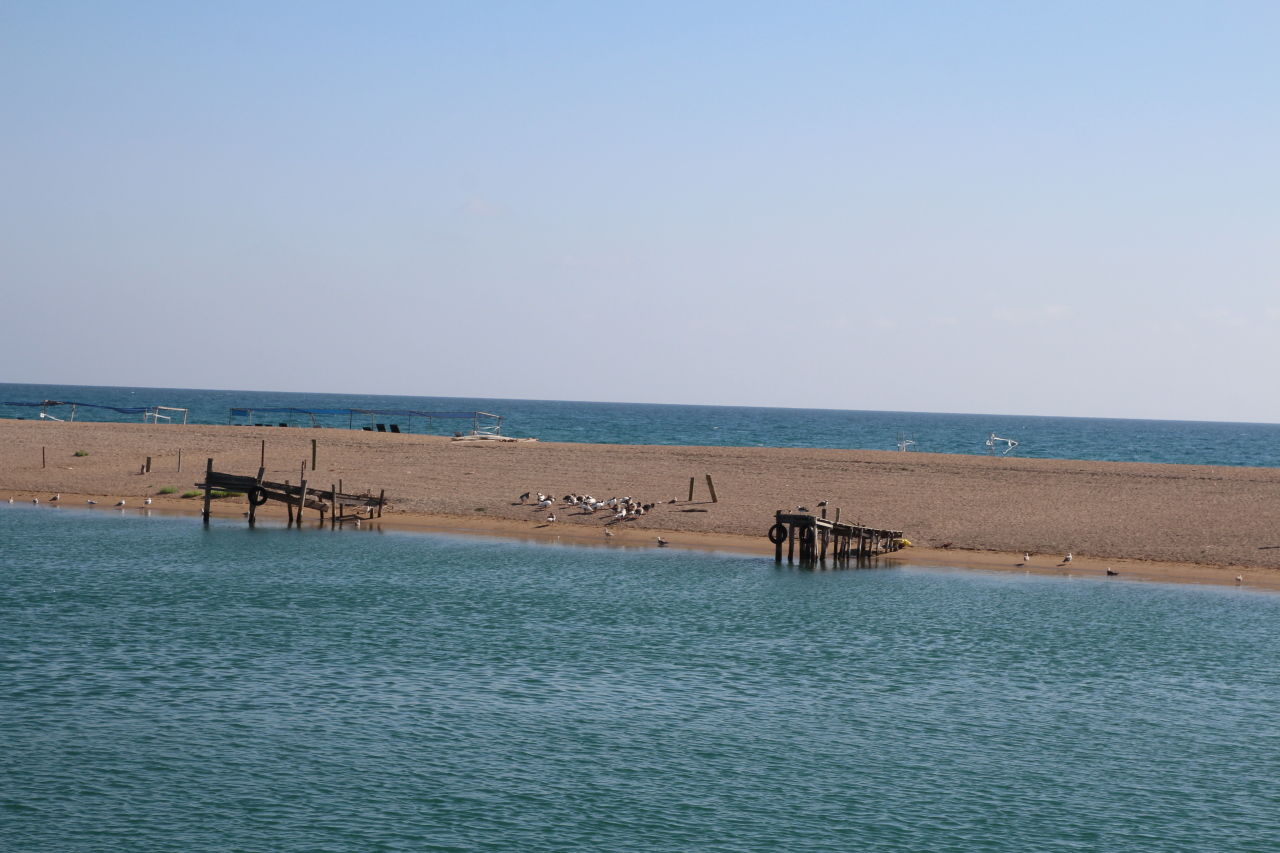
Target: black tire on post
pixel 257 497
pixel 778 534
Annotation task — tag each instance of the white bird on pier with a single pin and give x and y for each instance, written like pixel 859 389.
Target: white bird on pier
pixel 120 503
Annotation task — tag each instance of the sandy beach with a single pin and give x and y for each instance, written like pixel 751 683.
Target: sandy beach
pixel 1171 522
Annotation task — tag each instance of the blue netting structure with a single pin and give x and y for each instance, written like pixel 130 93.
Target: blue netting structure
pixel 44 404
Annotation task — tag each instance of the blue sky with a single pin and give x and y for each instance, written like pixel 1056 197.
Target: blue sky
pixel 1024 208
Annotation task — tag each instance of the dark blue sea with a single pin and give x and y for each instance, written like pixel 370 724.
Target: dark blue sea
pixel 169 687
pixel 1188 442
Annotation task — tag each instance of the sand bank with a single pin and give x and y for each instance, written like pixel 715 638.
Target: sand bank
pixel 1200 522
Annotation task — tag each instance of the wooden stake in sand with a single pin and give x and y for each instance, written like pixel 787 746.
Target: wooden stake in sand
pixel 262 463
pixel 711 487
pixel 313 454
pixel 148 464
pixel 208 475
pixel 691 479
pixel 42 458
pixel 179 460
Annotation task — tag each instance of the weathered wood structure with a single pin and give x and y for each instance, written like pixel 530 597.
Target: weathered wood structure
pixel 339 506
pixel 820 538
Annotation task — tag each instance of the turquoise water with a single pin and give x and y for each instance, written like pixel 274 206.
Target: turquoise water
pixel 1186 442
pixel 169 687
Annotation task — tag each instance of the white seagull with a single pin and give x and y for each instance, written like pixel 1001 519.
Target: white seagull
pixel 147 502
pixel 92 503
pixel 120 503
pixel 551 519
pixel 608 532
pixel 1239 579
pixel 1067 559
pixel 1111 571
pixel 58 496
pixel 1026 558
pixel 661 541
pixel 35 500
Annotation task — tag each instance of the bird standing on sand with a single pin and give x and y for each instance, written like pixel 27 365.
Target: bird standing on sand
pixel 1111 572
pixel 1067 559
pixel 661 542
pixel 524 498
pixel 147 502
pixel 823 503
pixel 92 503
pixel 120 503
pixel 1239 579
pixel 551 519
pixel 802 509
pixel 56 497
pixel 608 533
pixel 1026 558
pixel 35 500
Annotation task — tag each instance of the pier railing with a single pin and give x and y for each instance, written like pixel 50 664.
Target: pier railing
pixel 819 538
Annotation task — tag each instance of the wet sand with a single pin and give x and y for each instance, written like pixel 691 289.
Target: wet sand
pixel 1145 520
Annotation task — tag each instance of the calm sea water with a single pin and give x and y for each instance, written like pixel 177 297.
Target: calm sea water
pixel 1187 442
pixel 168 687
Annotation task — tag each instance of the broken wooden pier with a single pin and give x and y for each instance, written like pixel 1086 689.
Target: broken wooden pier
pixel 339 506
pixel 820 538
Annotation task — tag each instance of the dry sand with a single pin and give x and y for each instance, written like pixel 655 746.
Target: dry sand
pixel 1167 521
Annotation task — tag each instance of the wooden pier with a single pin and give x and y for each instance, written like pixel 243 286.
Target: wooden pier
pixel 820 538
pixel 339 506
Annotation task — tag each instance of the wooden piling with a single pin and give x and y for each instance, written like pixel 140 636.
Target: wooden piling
pixel 302 500
pixel 262 462
pixel 148 465
pixel 777 546
pixel 691 479
pixel 711 487
pixel 313 454
pixel 44 462
pixel 382 499
pixel 333 511
pixel 208 475
pixel 179 460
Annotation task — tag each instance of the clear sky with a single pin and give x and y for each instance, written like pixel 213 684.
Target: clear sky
pixel 1026 208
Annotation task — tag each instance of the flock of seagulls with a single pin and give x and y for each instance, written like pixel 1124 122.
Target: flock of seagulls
pixel 616 509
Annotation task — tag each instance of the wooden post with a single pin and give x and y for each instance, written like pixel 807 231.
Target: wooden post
pixel 777 548
pixel 691 479
pixel 837 515
pixel 148 464
pixel 179 460
pixel 43 461
pixel 333 510
pixel 262 463
pixel 791 543
pixel 313 454
pixel 208 475
pixel 824 513
pixel 382 498
pixel 302 500
pixel 712 488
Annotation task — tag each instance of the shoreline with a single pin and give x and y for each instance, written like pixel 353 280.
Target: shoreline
pixel 1143 519
pixel 758 546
